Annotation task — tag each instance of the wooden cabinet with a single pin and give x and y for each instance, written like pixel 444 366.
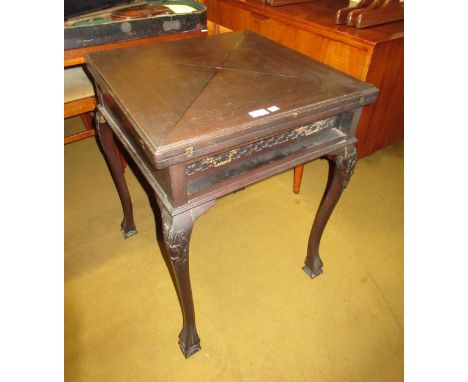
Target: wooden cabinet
pixel 374 55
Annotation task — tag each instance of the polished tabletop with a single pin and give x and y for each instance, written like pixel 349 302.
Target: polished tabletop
pixel 196 92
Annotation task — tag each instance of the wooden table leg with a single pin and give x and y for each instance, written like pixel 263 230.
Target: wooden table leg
pixel 177 231
pixel 341 167
pixel 106 137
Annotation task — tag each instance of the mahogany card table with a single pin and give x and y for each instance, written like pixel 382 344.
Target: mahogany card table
pixel 207 116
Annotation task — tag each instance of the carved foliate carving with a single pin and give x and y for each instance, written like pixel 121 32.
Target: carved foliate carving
pixel 177 245
pixel 351 160
pixel 346 162
pixel 227 157
pixel 177 231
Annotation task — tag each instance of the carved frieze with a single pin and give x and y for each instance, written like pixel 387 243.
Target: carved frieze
pixel 227 157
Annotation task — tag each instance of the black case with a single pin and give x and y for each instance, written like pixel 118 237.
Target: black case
pixel 74 8
pixel 115 31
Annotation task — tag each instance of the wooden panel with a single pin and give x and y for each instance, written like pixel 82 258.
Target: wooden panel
pixel 383 122
pixel 338 55
pixel 317 17
pixel 232 17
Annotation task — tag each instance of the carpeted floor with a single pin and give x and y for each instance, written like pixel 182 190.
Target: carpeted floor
pixel 259 316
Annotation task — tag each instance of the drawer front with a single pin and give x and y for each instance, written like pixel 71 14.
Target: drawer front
pixel 242 163
pixel 297 135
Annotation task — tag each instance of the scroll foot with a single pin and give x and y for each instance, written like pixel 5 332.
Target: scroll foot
pixel 189 341
pixel 128 232
pixel 312 274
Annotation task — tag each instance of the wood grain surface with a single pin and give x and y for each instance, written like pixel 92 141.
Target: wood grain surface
pixel 373 54
pixel 80 106
pixel 209 91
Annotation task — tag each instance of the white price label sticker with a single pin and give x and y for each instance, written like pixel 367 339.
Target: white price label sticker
pixel 258 113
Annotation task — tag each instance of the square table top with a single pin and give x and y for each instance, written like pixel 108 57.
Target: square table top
pixel 220 91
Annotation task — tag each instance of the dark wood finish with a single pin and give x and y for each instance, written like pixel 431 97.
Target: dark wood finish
pixel 85 107
pixel 180 133
pixel 177 231
pixel 310 29
pixel 111 153
pixel 341 167
pixel 88 121
pixel 205 117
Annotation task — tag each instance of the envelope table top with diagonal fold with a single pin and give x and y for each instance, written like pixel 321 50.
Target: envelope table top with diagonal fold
pixel 201 92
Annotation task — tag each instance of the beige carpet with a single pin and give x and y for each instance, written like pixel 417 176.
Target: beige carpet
pixel 259 316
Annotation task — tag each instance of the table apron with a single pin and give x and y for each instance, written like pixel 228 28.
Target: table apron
pixel 234 183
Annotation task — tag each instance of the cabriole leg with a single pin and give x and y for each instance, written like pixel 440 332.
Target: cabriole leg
pixel 177 231
pixel 341 167
pixel 106 137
